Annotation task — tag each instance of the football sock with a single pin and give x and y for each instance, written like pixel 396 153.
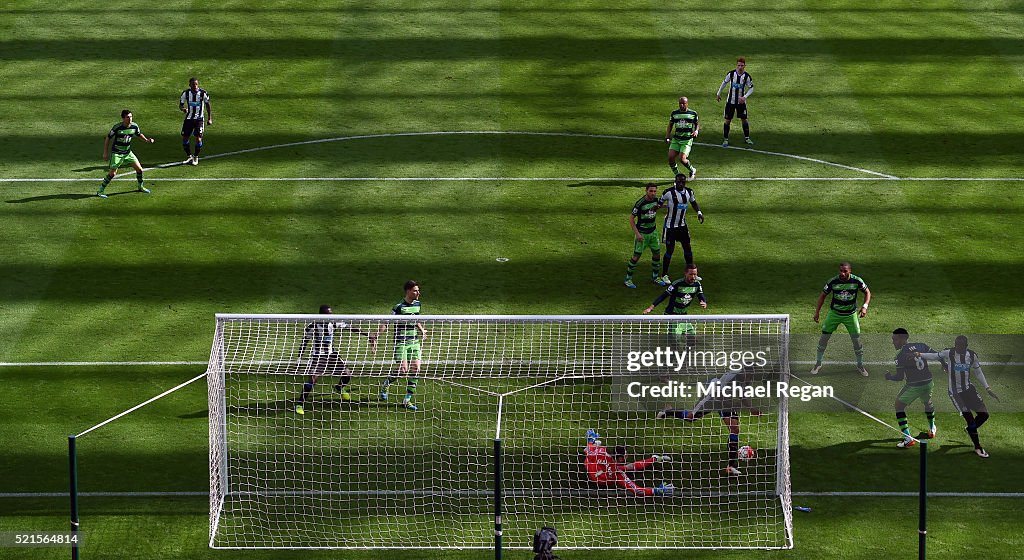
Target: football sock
pixel 630 268
pixel 410 388
pixel 675 169
pixel 734 446
pixel 188 149
pixel 858 350
pixel 106 181
pixel 972 429
pixel 725 131
pixel 655 267
pixel 746 130
pixel 688 167
pixel 306 388
pixel 199 146
pixel 982 418
pixel 667 259
pixel 688 253
pixel 931 419
pixel 901 417
pixel 822 344
pixel 138 177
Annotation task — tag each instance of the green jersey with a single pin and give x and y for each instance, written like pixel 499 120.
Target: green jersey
pixel 646 214
pixel 123 136
pixel 844 293
pixel 684 123
pixel 406 333
pixel 680 295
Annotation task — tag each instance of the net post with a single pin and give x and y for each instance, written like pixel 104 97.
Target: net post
pixel 73 493
pixel 498 475
pixel 922 528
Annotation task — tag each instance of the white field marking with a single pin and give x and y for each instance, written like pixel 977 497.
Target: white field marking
pixel 482 133
pixel 890 363
pixel 516 179
pixel 520 133
pixel 89 364
pixel 204 494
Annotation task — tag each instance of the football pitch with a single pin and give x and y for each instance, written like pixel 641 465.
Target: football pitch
pixel 492 151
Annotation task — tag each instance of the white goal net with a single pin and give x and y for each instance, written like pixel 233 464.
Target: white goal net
pixel 687 444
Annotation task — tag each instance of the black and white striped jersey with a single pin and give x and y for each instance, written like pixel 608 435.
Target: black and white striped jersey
pixel 321 335
pixel 676 201
pixel 194 102
pixel 740 85
pixel 959 366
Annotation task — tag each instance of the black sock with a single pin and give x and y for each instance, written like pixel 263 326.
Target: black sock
pixel 725 130
pixel 138 177
pixel 199 146
pixel 188 149
pixel 982 418
pixel 746 130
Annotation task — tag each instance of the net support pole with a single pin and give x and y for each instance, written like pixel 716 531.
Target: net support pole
pixel 73 493
pixel 922 527
pixel 498 475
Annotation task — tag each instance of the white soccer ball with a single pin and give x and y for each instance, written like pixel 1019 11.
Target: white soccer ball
pixel 746 453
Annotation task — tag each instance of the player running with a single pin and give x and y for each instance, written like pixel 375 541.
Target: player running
pixel 687 127
pixel 960 363
pixel 643 221
pixel 408 339
pixel 919 384
pixel 319 336
pixel 608 470
pixel 842 311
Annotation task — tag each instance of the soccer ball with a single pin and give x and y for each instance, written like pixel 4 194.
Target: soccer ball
pixel 746 453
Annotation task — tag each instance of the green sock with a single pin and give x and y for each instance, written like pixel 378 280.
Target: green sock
pixel 630 268
pixel 106 181
pixel 675 169
pixel 655 269
pixel 688 167
pixel 818 357
pixel 931 419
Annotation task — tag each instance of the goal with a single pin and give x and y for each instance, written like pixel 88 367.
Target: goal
pixel 497 445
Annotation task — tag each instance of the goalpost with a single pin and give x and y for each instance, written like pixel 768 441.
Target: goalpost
pixel 497 446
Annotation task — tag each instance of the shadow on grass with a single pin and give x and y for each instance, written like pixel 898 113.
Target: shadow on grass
pixel 627 184
pixel 45 197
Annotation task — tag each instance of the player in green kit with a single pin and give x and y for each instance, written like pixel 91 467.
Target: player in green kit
pixel 912 368
pixel 687 127
pixel 681 294
pixel 117 149
pixel 409 335
pixel 643 220
pixel 843 311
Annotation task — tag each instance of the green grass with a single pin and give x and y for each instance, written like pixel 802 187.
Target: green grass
pixel 906 89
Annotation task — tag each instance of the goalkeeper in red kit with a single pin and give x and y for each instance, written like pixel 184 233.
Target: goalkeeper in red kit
pixel 607 470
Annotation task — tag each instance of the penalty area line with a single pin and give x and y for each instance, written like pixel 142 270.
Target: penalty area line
pixel 198 494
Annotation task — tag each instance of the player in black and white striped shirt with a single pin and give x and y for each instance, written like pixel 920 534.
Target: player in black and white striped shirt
pixel 960 363
pixel 323 357
pixel 677 199
pixel 195 103
pixel 741 85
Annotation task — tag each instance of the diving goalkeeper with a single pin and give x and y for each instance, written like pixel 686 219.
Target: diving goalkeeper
pixel 608 470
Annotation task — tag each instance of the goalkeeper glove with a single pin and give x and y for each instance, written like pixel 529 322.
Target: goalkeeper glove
pixel 664 489
pixel 662 458
pixel 593 437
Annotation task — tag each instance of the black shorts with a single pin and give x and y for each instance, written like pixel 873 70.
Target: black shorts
pixel 739 108
pixel 192 126
pixel 670 236
pixel 966 401
pixel 328 364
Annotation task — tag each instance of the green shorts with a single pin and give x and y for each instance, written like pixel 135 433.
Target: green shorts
pixel 909 394
pixel 833 320
pixel 681 146
pixel 117 160
pixel 650 240
pixel 407 351
pixel 684 328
